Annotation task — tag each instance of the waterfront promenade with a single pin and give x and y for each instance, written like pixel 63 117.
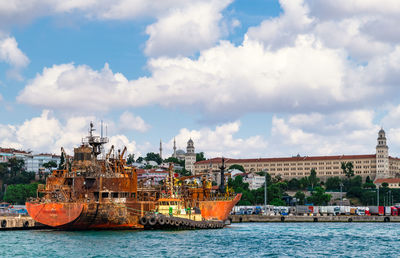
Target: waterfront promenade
pixel 343 218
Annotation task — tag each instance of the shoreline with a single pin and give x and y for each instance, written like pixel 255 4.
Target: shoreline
pixel 311 219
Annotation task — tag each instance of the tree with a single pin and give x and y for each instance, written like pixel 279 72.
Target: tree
pixel 238 167
pixel 140 160
pixel 50 164
pixel 304 183
pixel 293 184
pixel 300 196
pixel 16 166
pixel 347 168
pixel 277 202
pixel 131 159
pixel 319 197
pixel 17 194
pixel 313 179
pixel 154 157
pixel 175 161
pixel 184 172
pixel 369 185
pixel 277 179
pixel 385 185
pixel 62 161
pixel 333 183
pixel 200 156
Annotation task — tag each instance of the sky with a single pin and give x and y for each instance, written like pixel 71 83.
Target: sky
pixel 243 79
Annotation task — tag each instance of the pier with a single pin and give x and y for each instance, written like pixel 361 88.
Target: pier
pixel 349 219
pixel 10 222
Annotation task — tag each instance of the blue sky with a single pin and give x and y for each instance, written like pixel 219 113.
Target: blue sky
pixel 242 78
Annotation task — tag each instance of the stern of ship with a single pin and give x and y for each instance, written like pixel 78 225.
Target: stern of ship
pixel 218 209
pixel 54 214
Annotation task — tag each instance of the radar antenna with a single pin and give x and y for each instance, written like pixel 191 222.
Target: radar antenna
pixel 95 142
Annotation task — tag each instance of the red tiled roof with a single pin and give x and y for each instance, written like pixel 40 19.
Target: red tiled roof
pixel 387 180
pixel 306 158
pixel 144 171
pixel 11 150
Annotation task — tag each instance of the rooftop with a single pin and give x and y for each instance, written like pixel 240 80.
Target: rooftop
pixel 296 158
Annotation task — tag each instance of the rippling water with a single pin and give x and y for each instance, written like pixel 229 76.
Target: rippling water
pixel 250 239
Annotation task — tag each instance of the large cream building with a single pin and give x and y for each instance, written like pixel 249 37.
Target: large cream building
pixel 378 165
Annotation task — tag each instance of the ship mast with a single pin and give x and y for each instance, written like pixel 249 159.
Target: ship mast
pixel 95 142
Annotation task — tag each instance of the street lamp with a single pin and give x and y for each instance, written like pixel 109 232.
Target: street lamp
pixel 377 196
pixel 265 192
pixel 341 195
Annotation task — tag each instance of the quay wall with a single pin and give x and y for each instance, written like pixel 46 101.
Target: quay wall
pixel 18 223
pixel 263 218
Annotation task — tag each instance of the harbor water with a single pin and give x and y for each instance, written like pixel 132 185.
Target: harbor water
pixel 237 240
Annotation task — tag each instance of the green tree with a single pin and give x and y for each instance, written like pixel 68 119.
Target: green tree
pixel 385 185
pixel 300 196
pixel 369 185
pixel 333 183
pixel 184 172
pixel 304 183
pixel 16 166
pixel 17 194
pixel 49 165
pixel 238 167
pixel 347 168
pixel 140 160
pixel 283 186
pixel 154 157
pixel 200 156
pixel 293 184
pixel 319 197
pixel 175 161
pixel 62 161
pixel 354 191
pixel 277 202
pixel 313 179
pixel 131 159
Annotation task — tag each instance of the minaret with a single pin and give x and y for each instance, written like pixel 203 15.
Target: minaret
pixel 174 154
pixel 382 156
pixel 160 149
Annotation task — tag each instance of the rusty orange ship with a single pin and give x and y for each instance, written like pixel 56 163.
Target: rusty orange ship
pixel 95 191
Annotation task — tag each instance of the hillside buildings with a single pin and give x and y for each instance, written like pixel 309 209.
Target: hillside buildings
pixel 378 165
pixel 33 162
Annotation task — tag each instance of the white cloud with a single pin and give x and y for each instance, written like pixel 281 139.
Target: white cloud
pixel 183 31
pixel 182 27
pixel 344 132
pixel 46 133
pixel 307 76
pixel 219 141
pixel 120 141
pixel 128 121
pixel 12 55
pixel 283 30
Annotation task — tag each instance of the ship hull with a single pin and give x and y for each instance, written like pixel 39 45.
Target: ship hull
pixel 75 216
pixel 81 216
pixel 218 209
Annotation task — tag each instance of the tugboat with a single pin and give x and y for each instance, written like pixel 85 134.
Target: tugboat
pixel 172 211
pixel 96 191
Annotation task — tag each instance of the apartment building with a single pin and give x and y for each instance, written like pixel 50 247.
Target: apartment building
pixel 379 165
